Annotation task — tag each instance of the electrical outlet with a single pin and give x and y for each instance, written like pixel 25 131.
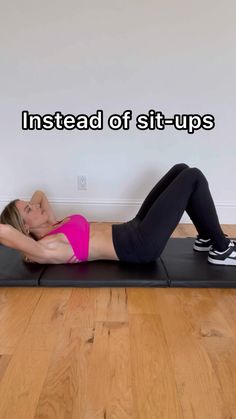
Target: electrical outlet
pixel 82 183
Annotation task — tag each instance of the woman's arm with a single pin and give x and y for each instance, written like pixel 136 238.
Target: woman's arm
pixel 32 249
pixel 39 197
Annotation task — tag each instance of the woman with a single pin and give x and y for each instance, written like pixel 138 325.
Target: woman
pixel 32 228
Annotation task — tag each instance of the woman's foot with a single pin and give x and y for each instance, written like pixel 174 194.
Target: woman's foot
pixel 228 257
pixel 203 245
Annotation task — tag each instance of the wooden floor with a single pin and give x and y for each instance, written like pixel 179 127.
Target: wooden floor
pixel 118 353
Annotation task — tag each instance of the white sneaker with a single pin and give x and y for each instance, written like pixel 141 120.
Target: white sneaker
pixel 202 245
pixel 228 257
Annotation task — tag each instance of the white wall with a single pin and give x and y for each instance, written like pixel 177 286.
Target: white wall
pixel 80 56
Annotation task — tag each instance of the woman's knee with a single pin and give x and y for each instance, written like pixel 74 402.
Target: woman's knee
pixel 180 166
pixel 198 174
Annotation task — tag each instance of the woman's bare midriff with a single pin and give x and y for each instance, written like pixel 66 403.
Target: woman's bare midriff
pixel 100 241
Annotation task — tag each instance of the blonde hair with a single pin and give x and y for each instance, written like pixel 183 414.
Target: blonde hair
pixel 11 215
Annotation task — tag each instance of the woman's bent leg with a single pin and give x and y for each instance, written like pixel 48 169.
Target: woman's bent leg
pixel 125 237
pixel 159 188
pixel 188 191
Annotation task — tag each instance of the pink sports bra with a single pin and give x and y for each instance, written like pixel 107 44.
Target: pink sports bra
pixel 76 229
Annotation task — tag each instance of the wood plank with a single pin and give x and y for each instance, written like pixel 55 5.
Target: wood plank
pixel 52 306
pixel 22 382
pixel 154 387
pixel 225 299
pixel 64 386
pixel 222 353
pixel 16 309
pixel 198 386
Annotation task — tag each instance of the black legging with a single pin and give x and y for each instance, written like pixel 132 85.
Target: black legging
pixel 182 188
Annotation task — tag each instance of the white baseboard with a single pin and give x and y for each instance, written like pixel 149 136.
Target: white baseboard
pixel 118 210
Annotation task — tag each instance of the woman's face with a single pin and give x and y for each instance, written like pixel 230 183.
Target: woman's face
pixel 32 214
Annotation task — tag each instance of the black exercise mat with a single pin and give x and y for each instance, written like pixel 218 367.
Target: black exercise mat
pixel 105 273
pixel 178 266
pixel 187 268
pixel 14 272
